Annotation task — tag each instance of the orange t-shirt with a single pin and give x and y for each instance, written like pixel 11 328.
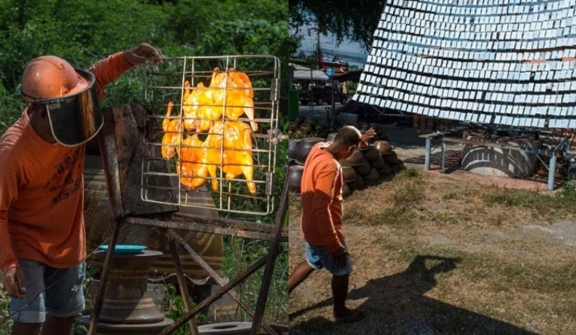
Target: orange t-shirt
pixel 321 189
pixel 42 189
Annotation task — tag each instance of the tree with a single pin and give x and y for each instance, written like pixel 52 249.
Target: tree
pixel 84 31
pixel 352 19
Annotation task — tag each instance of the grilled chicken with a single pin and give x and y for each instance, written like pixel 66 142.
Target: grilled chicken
pixel 232 80
pixel 172 133
pixel 237 158
pixel 192 166
pixel 235 90
pixel 207 114
pixel 214 151
pixel 189 106
pixel 228 145
pixel 240 80
pixel 237 104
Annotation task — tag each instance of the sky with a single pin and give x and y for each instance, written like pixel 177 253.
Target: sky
pixel 349 51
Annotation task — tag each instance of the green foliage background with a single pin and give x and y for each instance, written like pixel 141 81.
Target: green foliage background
pixel 85 31
pixel 346 19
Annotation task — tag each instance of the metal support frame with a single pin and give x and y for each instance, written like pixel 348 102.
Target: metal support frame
pixel 439 137
pixel 103 282
pixel 225 286
pixel 193 323
pixel 122 154
pixel 275 234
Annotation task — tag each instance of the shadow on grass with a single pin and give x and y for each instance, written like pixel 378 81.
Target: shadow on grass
pixel 396 304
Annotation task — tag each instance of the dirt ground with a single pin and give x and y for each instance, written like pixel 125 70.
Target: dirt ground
pixel 451 262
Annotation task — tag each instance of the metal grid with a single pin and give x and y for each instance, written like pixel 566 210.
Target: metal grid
pixel 215 120
pixel 481 61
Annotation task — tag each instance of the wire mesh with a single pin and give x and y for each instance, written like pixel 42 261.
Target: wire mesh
pixel 215 120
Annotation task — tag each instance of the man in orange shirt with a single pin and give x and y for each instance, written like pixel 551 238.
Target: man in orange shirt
pixel 321 220
pixel 42 236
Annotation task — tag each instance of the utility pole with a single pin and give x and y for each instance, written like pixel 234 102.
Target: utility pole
pixel 317 67
pixel 318 50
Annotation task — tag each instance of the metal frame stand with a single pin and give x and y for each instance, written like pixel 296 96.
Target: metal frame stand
pixel 121 150
pixel 218 226
pixel 429 147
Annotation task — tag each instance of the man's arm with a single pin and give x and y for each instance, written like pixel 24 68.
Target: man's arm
pixel 8 193
pixel 112 67
pixel 13 274
pixel 323 195
pixel 367 136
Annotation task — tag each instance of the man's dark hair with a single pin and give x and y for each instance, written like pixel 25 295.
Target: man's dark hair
pixel 347 136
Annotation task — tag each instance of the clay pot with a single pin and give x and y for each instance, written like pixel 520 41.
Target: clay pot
pixel 295 178
pixel 348 174
pixel 559 154
pixel 323 132
pixel 364 168
pixel 399 166
pixel 306 128
pixel 571 173
pixel 378 163
pixel 346 190
pixel 372 177
pixel 292 127
pixel 292 148
pixel 371 153
pixel 542 172
pixel 383 147
pixel 356 159
pixel 391 158
pixel 385 171
pixel 226 328
pixel 357 184
pixel 311 121
pixel 299 119
pixel 304 148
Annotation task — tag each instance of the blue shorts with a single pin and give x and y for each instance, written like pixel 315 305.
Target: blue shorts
pixel 57 292
pixel 319 257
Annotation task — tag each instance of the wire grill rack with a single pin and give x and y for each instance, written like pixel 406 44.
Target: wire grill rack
pixel 215 121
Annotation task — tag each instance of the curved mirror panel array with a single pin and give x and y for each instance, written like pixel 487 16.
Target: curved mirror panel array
pixel 478 61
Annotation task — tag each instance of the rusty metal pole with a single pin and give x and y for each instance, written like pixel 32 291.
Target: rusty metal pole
pixel 95 315
pixel 216 277
pixel 217 294
pixel 193 323
pixel 275 249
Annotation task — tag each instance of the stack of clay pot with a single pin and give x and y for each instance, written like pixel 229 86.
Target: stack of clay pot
pixel 562 166
pixel 364 168
pixel 298 150
pixel 367 166
pixel 305 127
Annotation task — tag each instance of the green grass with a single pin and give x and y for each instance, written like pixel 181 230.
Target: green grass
pixel 5 323
pixel 240 254
pixel 396 208
pixel 544 204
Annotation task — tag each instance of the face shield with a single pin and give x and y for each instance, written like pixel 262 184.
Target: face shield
pixel 76 118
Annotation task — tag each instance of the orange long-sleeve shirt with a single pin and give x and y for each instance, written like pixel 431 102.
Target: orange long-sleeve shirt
pixel 42 189
pixel 321 189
